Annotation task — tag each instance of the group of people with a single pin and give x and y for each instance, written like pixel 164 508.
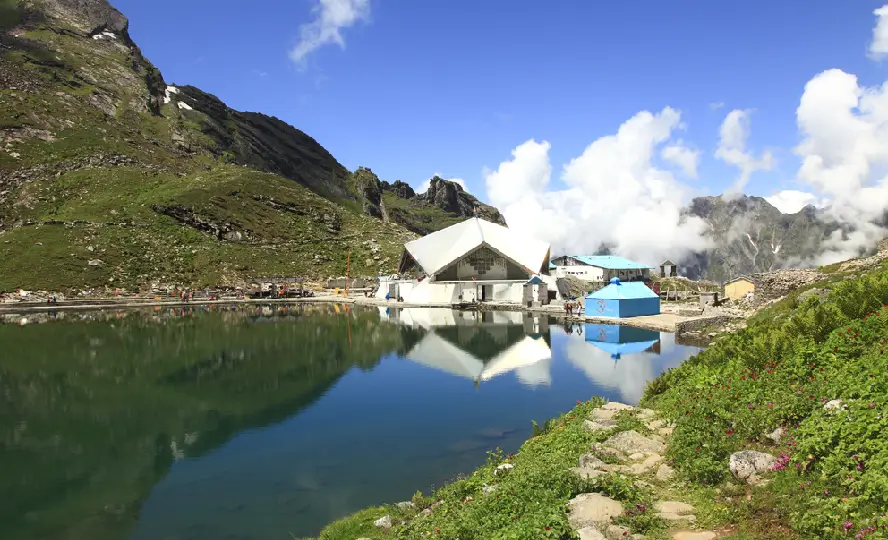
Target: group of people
pixel 572 306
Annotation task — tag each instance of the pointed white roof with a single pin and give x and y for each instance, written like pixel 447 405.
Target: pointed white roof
pixel 529 358
pixel 438 249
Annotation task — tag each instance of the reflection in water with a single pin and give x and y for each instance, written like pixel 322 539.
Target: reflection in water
pixel 261 421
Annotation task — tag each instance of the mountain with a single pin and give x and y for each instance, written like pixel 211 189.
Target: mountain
pixel 750 236
pixel 111 176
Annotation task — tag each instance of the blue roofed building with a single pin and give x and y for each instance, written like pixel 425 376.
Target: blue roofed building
pixel 600 268
pixel 622 299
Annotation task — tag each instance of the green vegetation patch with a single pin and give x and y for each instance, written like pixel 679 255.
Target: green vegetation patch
pixel 831 478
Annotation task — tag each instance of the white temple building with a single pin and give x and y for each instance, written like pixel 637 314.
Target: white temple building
pixel 472 261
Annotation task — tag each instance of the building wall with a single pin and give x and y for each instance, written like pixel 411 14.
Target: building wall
pixel 736 290
pixel 619 309
pixel 482 264
pixel 598 275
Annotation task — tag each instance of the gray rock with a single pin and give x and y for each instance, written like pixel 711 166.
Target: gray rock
pixel 631 441
pixel 591 425
pixel 674 511
pixel 590 509
pixel 405 505
pixel 385 522
pixel 95 262
pixel 749 462
pixel 776 435
pixel 587 473
pixel 487 490
pixel 645 466
pixel 590 461
pixel 426 512
pixel 647 414
pixel 616 406
pixel 591 533
pixel 666 431
pixel 665 473
pixel 694 535
pixel 656 424
pixel 615 532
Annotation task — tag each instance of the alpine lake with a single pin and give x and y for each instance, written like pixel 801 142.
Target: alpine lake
pixel 269 421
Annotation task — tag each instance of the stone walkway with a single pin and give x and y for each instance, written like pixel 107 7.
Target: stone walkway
pixel 637 456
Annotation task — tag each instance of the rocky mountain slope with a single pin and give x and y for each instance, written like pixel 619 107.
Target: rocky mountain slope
pixel 110 176
pixel 751 236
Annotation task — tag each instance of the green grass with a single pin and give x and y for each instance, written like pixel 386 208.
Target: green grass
pixel 792 358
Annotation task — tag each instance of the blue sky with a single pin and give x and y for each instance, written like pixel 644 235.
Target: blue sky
pixel 454 86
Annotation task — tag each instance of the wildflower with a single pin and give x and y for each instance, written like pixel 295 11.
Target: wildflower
pixel 848 525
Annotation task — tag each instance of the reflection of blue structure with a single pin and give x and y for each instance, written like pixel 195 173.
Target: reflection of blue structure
pixel 618 340
pixel 630 299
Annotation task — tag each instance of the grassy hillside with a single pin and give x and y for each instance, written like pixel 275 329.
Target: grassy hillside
pixel 110 178
pixel 792 360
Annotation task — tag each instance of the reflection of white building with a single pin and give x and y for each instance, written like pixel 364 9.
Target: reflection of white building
pixel 481 346
pixel 472 261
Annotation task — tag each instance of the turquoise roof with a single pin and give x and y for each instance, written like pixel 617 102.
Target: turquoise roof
pixel 629 290
pixel 610 262
pixel 552 266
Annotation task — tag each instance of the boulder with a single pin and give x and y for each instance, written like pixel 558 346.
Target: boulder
pixel 646 414
pixel 591 533
pixel 591 509
pixel 674 511
pixel 590 461
pixel 616 406
pixel 631 441
pixel 749 462
pixel 385 522
pixel 645 466
pixel 591 425
pixel 656 424
pixel 776 435
pixel 665 473
pixel 615 532
pixel 604 416
pixel 587 473
pixel 694 535
pixel 405 505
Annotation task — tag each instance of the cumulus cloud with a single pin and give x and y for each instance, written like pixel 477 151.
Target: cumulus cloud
pixel 790 201
pixel 878 48
pixel 844 155
pixel 682 156
pixel 331 16
pixel 615 195
pixel 732 150
pixel 425 185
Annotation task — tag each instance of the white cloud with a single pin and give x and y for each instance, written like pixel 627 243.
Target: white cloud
pixel 844 155
pixel 879 45
pixel 717 105
pixel 331 17
pixel 614 195
pixel 790 201
pixel 732 149
pixel 425 185
pixel 684 157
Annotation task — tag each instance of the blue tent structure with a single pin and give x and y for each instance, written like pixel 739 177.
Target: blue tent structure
pixel 619 340
pixel 619 300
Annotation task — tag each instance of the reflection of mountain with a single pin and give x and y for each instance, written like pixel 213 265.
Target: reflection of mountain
pixel 619 357
pixel 92 414
pixel 482 346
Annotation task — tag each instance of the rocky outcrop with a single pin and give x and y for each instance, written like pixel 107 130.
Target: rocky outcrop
pixel 777 284
pixel 451 197
pixel 402 190
pixel 749 464
pixel 369 191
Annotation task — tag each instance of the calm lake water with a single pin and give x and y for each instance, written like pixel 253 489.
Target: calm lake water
pixel 261 422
